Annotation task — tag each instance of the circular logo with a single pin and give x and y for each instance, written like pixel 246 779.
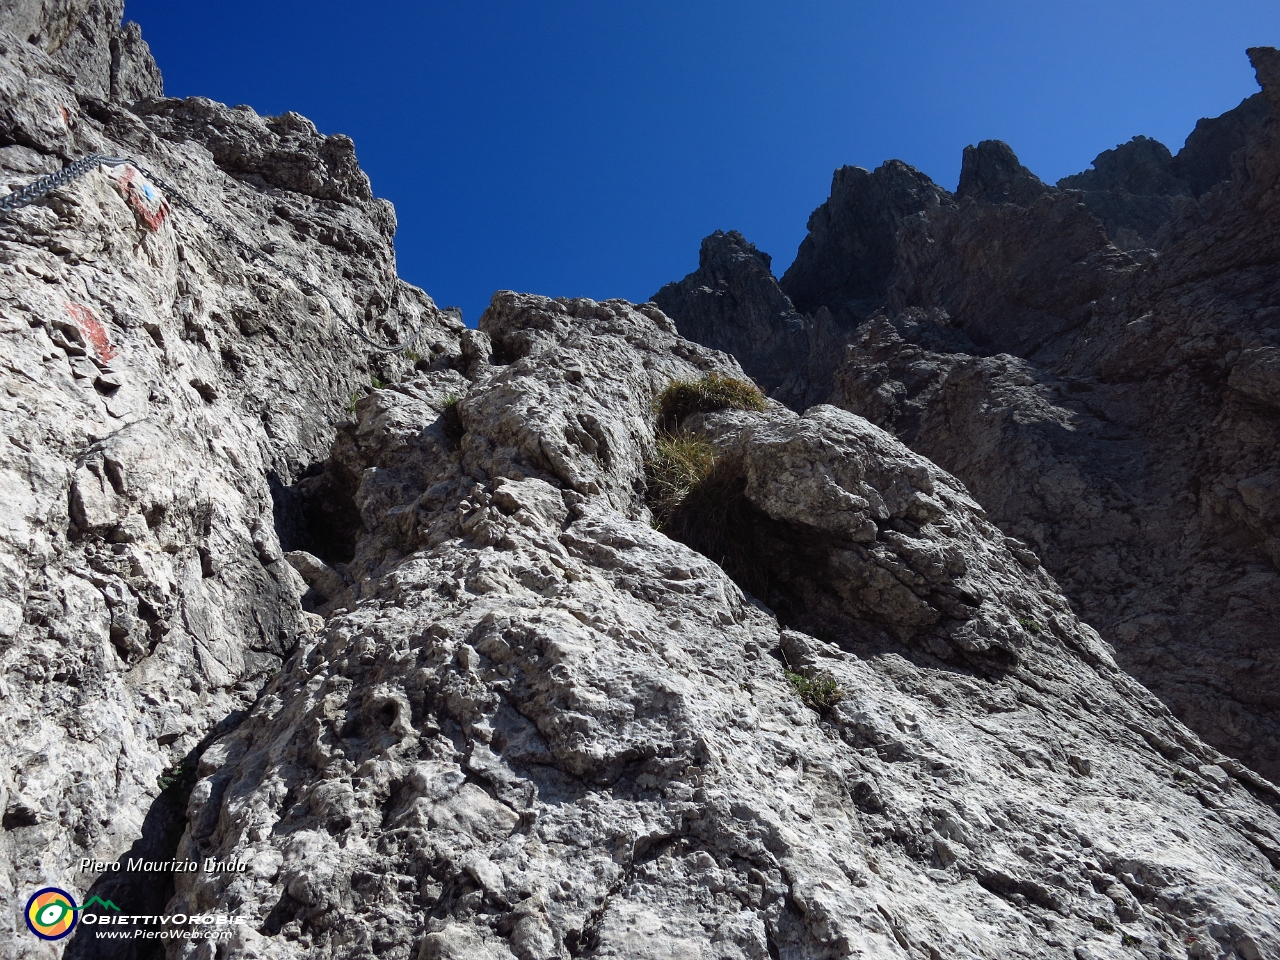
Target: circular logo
pixel 51 913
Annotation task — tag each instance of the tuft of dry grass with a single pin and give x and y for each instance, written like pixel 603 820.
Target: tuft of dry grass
pixel 699 498
pixel 697 495
pixel 712 392
pixel 679 464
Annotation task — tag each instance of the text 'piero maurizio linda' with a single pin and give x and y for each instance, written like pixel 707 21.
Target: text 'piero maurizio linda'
pixel 135 865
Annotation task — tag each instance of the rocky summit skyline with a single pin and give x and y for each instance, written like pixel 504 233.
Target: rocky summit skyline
pixel 917 604
pixel 1081 359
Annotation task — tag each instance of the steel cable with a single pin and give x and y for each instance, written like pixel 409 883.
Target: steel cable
pixel 37 189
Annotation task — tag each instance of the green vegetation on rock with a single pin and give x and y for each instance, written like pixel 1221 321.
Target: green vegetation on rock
pixel 712 392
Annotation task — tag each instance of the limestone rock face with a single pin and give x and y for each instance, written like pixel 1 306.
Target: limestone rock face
pixel 542 729
pixel 285 152
pixel 990 172
pixel 1135 188
pixel 391 636
pixel 1142 166
pixel 85 37
pixel 848 256
pixel 157 390
pixel 1114 408
pixel 1205 159
pixel 1131 190
pixel 1015 277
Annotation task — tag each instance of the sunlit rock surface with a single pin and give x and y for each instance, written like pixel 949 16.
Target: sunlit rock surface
pixel 396 633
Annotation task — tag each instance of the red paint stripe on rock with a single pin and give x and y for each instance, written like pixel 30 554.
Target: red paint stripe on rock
pixel 95 334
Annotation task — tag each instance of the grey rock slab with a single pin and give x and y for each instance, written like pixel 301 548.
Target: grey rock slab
pixel 87 41
pixel 399 635
pixel 848 256
pixel 991 173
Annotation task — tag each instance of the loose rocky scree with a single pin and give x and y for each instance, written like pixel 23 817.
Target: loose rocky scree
pixel 402 637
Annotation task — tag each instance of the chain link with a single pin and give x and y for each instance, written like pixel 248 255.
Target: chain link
pixel 24 196
pixel 29 194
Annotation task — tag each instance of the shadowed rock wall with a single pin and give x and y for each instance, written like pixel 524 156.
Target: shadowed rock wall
pixel 1093 362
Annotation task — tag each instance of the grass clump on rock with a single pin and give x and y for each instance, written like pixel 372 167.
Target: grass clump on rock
pixel 451 420
pixel 698 498
pixel 679 464
pixel 696 492
pixel 819 693
pixel 712 392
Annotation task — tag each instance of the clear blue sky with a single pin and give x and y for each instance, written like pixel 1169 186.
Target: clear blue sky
pixel 584 147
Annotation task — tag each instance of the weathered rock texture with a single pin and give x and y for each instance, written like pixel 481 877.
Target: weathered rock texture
pixel 991 173
pixel 846 261
pixel 539 728
pixel 416 656
pixel 155 388
pixel 85 38
pixel 1095 362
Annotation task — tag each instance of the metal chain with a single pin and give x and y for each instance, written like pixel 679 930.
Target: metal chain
pixel 29 194
pixel 24 196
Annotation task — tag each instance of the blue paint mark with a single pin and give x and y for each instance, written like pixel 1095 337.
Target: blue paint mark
pixel 146 188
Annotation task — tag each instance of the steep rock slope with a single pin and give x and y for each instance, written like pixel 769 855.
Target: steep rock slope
pixel 1136 188
pixel 543 729
pixel 85 38
pixel 155 387
pixel 416 656
pixel 1114 408
pixel 846 261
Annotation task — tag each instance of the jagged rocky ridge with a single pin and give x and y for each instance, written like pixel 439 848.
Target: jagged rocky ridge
pixel 418 658
pixel 1096 361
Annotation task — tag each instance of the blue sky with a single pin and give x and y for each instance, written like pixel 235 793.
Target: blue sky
pixel 576 148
